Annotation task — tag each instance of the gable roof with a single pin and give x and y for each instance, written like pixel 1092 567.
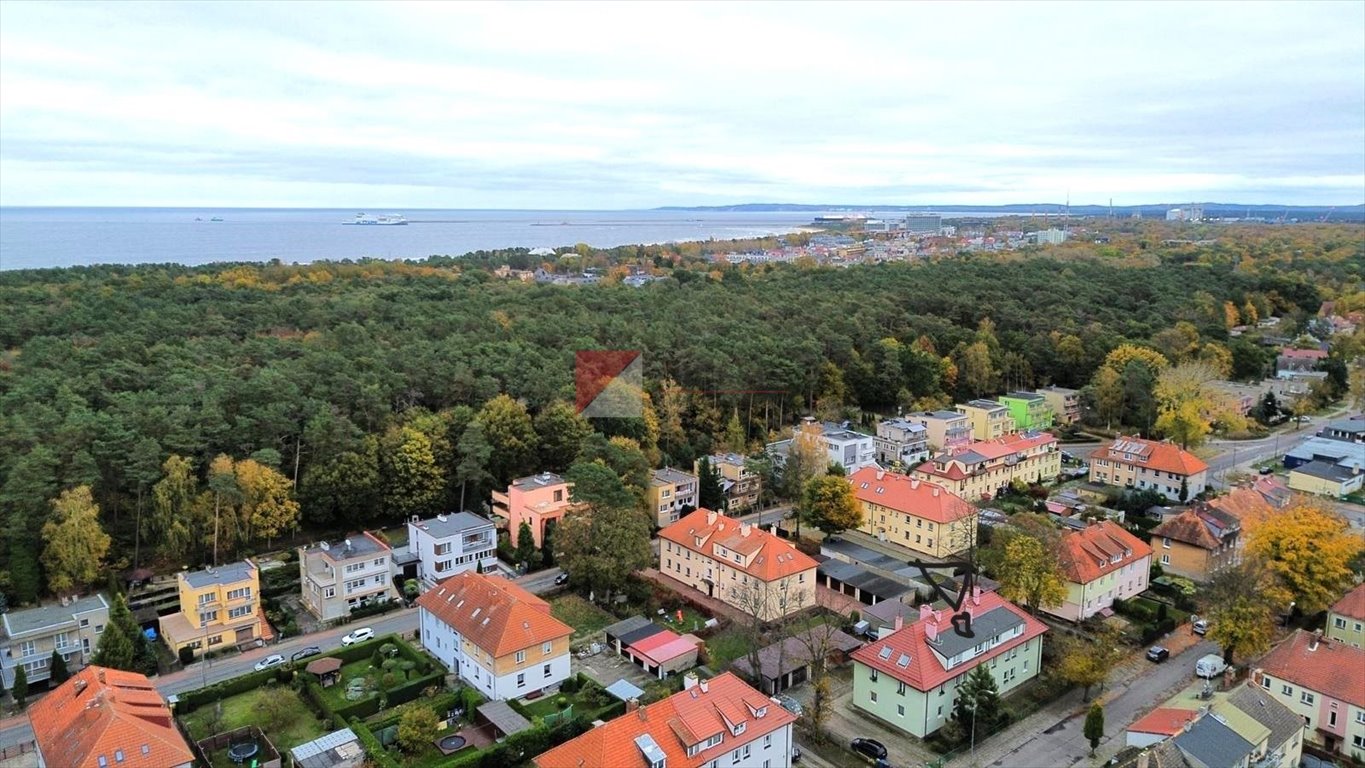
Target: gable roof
pixel 1152 454
pixel 493 613
pixel 1212 742
pixel 104 712
pixel 910 496
pixel 1352 603
pixel 1264 709
pixel 688 717
pixel 1167 721
pixel 1322 665
pixel 1200 527
pixel 1099 549
pixel 766 556
pixel 1244 504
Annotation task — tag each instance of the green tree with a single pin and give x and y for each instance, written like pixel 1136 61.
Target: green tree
pixel 144 468
pixel 829 504
pixel 115 648
pixel 977 374
pixel 526 551
pixel 1087 661
pixel 509 430
pixel 475 453
pixel 267 507
pixel 1030 574
pixel 57 664
pixel 1184 423
pixel 602 547
pixel 560 431
pixel 597 484
pixel 977 707
pixel 1108 389
pixel 1308 550
pixel 222 482
pixel 734 440
pixel 710 495
pixel 343 485
pixel 20 689
pixel 1094 726
pixel 76 545
pixel 25 497
pixel 413 484
pixel 174 523
pixel 417 728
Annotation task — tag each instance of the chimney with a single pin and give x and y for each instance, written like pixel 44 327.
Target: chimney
pixel 1317 637
pixel 900 622
pixel 689 680
pixel 744 530
pixel 925 612
pixel 632 704
pixel 938 616
pixel 914 484
pixel 880 474
pixel 976 595
pixel 710 517
pixel 935 492
pixel 702 684
pixel 325 546
pixel 931 632
pixel 441 517
pixel 1144 759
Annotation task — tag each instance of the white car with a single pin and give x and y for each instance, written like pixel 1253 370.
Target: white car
pixel 273 660
pixel 358 636
pixel 1210 666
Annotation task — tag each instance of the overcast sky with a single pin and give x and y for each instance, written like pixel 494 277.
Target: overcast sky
pixel 632 105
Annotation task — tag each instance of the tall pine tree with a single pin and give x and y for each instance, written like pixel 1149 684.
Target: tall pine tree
pixel 709 492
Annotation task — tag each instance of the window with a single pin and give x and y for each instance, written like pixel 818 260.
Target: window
pixel 27 648
pixel 118 755
pixel 545 648
pixel 1306 697
pixel 547 670
pixel 1165 542
pixel 900 687
pixel 85 622
pixel 1339 622
pixel 240 611
pixel 1332 718
pixel 900 710
pixel 521 657
pixel 521 679
pixel 1358 740
pixel 1165 559
pixel 873 675
pixel 872 696
pixel 767 741
pixel 1287 690
pixel 1360 716
pixel 1265 683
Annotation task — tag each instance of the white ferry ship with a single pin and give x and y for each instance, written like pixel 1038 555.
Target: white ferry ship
pixel 387 220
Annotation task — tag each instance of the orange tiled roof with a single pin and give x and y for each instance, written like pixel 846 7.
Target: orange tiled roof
pixel 1088 554
pixel 1199 527
pixel 911 496
pixel 1152 454
pixel 772 558
pixel 104 713
pixel 1331 668
pixel 1353 604
pixel 1166 721
pixel 1244 504
pixel 686 718
pixel 493 613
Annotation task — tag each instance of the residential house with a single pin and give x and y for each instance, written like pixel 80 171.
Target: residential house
pixel 739 564
pixel 217 605
pixel 671 491
pixel 849 449
pixel 1197 543
pixel 1163 467
pixel 983 469
pixel 710 723
pixel 1246 505
pixel 447 544
pixel 990 420
pixel 1324 478
pixel 910 678
pixel 538 500
pixel 787 663
pixel 1159 725
pixel 742 486
pixel 903 441
pixel 945 430
pixel 1247 727
pixel 107 718
pixel 1066 403
pixel 1030 410
pixel 1101 563
pixel 28 636
pixel 494 635
pixel 1323 681
pixel 912 513
pixel 1346 618
pixel 1273 490
pixel 341 576
pixel 1298 361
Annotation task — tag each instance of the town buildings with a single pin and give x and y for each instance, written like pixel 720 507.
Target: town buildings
pixel 494 635
pixel 742 486
pixel 28 636
pixel 909 678
pixel 1198 543
pixel 338 577
pixel 1324 478
pixel 671 491
pixel 1030 410
pixel 1323 681
pixel 1296 363
pixel 1346 618
pixel 1245 726
pixel 843 446
pixel 921 516
pixel 217 606
pixel 718 722
pixel 946 430
pixel 1163 467
pixel 107 718
pixel 538 500
pixel 746 567
pixel 1065 403
pixel 901 441
pixel 983 469
pixel 1101 563
pixel 990 420
pixel 449 544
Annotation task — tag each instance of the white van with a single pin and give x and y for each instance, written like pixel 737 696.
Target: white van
pixel 1211 665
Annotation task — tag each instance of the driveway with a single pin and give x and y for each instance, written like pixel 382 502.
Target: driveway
pixel 845 723
pixel 606 668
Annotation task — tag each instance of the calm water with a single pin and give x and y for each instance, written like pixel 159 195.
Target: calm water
pixel 63 237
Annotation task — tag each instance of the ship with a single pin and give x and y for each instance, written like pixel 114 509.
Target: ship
pixel 386 220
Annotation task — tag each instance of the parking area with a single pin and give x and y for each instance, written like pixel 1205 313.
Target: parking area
pixel 606 668
pixel 845 723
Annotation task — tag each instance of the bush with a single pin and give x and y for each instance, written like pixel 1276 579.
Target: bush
pixel 186 655
pixel 374 751
pixel 569 685
pixel 374 609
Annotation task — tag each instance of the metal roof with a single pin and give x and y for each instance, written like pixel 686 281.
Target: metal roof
pixel 442 526
pixel 1212 742
pixel 503 717
pixel 52 616
pixel 223 574
pixel 335 748
pixel 984 627
pixel 625 690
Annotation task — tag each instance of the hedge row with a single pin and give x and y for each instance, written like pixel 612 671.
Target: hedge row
pixel 399 695
pixel 375 753
pixel 189 702
pixel 374 609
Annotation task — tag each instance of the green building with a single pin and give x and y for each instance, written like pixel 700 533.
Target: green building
pixel 1030 410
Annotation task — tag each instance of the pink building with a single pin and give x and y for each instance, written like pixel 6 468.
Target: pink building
pixel 535 500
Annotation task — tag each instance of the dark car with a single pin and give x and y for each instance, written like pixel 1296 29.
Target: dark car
pixel 869 748
pixel 562 578
pixel 1266 470
pixel 304 653
pixel 1158 654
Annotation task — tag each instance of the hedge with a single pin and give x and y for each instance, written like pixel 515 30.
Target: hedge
pixel 441 703
pixel 375 753
pixel 373 609
pixel 188 702
pixel 401 694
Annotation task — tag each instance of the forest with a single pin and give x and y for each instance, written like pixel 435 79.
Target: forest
pixel 336 395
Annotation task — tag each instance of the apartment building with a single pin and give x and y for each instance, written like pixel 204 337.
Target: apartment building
pixel 983 469
pixel 990 420
pixel 946 430
pixel 1163 467
pixel 217 606
pixel 1030 410
pixel 338 577
pixel 494 635
pixel 70 627
pixel 742 487
pixel 1198 543
pixel 1346 618
pixel 107 718
pixel 670 492
pixel 901 441
pixel 445 545
pixel 1323 681
pixel 1244 727
pixel 850 449
pixel 1101 563
pixel 921 516
pixel 739 564
pixel 538 500
pixel 1065 403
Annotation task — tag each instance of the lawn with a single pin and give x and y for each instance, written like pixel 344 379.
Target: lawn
pixel 585 618
pixel 692 620
pixel 297 727
pixel 726 646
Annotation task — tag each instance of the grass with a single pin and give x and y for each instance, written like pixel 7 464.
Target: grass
pixel 585 618
pixel 692 620
pixel 726 646
pixel 240 711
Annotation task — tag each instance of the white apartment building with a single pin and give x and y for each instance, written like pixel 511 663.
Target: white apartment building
pixel 449 544
pixel 338 577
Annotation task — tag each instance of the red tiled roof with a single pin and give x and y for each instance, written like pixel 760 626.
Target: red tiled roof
pixel 493 613
pixel 1086 554
pixel 924 672
pixel 1187 527
pixel 1353 604
pixel 1244 504
pixel 907 495
pixel 1331 669
pixel 772 558
pixel 1304 354
pixel 1163 720
pixel 1152 454
pixel 987 450
pixel 675 723
pixel 100 713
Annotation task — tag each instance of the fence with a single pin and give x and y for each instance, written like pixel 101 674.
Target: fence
pixel 15 750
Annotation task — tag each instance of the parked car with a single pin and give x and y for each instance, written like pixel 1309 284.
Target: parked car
pixel 1266 470
pixel 1158 654
pixel 1211 665
pixel 358 636
pixel 992 517
pixel 869 748
pixel 788 703
pixel 562 578
pixel 304 653
pixel 1200 626
pixel 273 660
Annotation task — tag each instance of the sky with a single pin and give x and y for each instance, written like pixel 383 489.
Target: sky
pixel 636 105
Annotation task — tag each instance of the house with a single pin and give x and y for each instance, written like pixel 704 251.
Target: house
pixel 1030 410
pixel 1246 727
pixel 721 721
pixel 671 492
pixel 913 513
pixel 888 616
pixel 1197 543
pixel 983 469
pixel 738 564
pixel 990 420
pixel 339 577
pixel 1298 361
pixel 1322 681
pixel 657 649
pixel 338 749
pixel 1246 505
pixel 28 636
pixel 945 430
pixel 787 663
pixel 1066 403
pixel 741 485
pixel 1273 490
pixel 909 679
pixel 1158 725
pixel 1323 478
pixel 217 605
pixel 538 501
pixel 494 635
pixel 849 449
pixel 1163 467
pixel 447 544
pixel 105 718
pixel 1101 563
pixel 901 440
pixel 1346 618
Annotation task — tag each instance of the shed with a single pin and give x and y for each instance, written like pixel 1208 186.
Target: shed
pixel 503 718
pixel 625 690
pixel 787 663
pixel 338 749
pixel 327 669
pixel 664 652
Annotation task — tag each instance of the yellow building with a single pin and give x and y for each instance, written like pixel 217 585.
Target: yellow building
pixel 920 516
pixel 671 492
pixel 984 469
pixel 217 606
pixel 1323 478
pixel 1346 618
pixel 990 420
